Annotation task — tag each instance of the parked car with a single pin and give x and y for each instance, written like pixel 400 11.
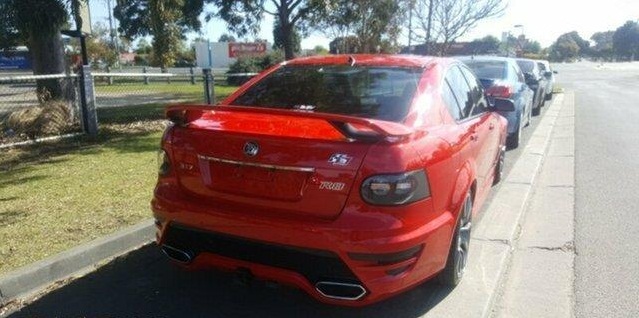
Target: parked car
pixel 502 78
pixel 536 81
pixel 549 74
pixel 353 178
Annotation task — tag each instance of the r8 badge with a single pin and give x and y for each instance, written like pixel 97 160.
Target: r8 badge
pixel 333 186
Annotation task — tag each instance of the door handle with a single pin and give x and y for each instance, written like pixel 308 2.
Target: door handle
pixel 491 126
pixel 474 137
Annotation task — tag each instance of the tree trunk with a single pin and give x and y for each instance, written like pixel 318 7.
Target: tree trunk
pixel 429 26
pixel 289 51
pixel 47 53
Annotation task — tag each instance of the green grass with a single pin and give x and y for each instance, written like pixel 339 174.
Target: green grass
pixel 184 92
pixel 57 196
pixel 195 91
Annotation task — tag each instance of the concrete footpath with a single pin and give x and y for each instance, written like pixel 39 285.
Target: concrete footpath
pixel 512 264
pixel 539 280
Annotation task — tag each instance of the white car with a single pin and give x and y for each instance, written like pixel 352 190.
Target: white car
pixel 544 66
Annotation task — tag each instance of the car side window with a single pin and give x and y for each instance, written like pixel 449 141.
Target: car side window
pixel 451 101
pixel 461 90
pixel 518 74
pixel 477 93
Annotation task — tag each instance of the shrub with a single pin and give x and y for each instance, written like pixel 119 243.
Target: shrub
pixel 252 64
pixel 49 118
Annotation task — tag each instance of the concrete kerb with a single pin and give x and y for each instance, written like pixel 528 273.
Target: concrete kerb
pixel 493 238
pixel 32 279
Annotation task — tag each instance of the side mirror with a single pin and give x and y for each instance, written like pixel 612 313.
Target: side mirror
pixel 503 105
pixel 530 78
pixel 555 72
pixel 548 74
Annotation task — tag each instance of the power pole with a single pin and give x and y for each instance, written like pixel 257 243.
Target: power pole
pixel 113 33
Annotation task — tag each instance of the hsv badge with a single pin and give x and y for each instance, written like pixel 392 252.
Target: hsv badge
pixel 340 159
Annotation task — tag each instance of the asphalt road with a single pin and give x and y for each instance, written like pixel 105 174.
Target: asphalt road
pixel 145 284
pixel 607 187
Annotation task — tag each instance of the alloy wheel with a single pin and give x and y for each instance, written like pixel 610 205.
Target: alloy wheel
pixel 463 238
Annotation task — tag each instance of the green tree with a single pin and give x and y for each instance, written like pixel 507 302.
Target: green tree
pixel 143 47
pixel 226 38
pixel 244 17
pixel 99 46
pixel 166 20
pixel 531 47
pixel 37 23
pixel 625 41
pixel 279 38
pixel 568 47
pixel 485 45
pixel 564 50
pixel 446 21
pixel 374 24
pixel 344 45
pixel 603 48
pixel 320 50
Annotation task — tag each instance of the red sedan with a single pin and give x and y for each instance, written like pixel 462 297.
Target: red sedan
pixel 353 178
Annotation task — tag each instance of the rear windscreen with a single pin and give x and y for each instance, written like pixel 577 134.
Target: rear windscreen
pixel 526 66
pixel 363 91
pixel 488 69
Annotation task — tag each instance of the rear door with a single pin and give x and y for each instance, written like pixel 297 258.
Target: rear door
pixel 488 134
pixel 474 127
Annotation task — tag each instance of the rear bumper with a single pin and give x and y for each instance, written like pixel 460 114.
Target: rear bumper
pixel 385 253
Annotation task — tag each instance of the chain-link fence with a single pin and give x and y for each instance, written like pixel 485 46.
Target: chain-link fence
pixel 122 98
pixel 136 98
pixel 36 107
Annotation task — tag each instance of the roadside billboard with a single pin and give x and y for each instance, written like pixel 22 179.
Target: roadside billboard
pixel 242 49
pixel 222 54
pixel 15 60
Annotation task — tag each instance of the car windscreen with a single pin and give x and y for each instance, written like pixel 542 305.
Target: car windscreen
pixel 526 66
pixel 364 91
pixel 488 69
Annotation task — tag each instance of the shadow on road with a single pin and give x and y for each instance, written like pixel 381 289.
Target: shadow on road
pixel 145 284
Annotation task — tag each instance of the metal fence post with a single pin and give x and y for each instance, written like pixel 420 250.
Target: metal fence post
pixel 192 72
pixel 146 78
pixel 209 91
pixel 87 102
pixel 109 78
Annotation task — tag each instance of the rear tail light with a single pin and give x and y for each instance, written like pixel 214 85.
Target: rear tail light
pixel 395 189
pixel 500 91
pixel 164 163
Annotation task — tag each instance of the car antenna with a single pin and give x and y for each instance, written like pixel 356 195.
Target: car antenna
pixel 351 60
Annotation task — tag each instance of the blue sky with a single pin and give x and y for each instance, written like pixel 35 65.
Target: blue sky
pixel 543 20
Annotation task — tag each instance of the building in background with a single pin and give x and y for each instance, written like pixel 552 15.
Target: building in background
pixel 223 54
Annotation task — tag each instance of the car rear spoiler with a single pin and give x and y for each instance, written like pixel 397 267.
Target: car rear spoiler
pixel 351 127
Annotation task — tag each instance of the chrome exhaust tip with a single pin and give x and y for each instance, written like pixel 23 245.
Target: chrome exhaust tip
pixel 340 291
pixel 177 254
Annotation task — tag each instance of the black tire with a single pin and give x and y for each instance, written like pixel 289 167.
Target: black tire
pixel 458 252
pixel 536 111
pixel 549 96
pixel 513 139
pixel 499 167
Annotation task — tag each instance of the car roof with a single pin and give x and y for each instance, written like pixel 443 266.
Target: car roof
pixel 370 60
pixel 484 58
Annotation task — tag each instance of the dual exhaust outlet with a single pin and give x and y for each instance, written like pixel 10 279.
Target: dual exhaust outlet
pixel 328 289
